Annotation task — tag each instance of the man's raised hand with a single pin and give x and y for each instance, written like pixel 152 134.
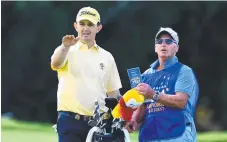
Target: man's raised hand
pixel 69 40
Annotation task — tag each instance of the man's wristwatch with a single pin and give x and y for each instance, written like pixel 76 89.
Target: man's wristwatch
pixel 156 96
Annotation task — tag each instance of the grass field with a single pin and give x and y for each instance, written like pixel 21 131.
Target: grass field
pixel 16 131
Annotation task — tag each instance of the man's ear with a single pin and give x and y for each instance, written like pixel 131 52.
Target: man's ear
pixel 99 28
pixel 177 48
pixel 155 49
pixel 75 25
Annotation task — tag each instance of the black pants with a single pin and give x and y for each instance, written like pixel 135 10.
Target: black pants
pixel 71 130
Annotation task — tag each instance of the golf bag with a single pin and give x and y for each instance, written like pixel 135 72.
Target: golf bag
pixel 105 128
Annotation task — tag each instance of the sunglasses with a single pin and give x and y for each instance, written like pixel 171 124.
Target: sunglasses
pixel 168 41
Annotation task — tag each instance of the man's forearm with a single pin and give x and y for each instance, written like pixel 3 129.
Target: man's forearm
pixel 138 114
pixel 172 100
pixel 59 56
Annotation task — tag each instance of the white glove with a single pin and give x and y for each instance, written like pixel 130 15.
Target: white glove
pixel 55 128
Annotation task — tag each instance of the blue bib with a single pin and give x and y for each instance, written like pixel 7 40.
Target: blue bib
pixel 162 122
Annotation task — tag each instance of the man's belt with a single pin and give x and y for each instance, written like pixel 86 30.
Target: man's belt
pixel 76 116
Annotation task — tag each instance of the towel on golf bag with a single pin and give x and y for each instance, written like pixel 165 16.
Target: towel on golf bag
pixel 127 104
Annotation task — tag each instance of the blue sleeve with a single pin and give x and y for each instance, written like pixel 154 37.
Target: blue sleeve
pixel 186 81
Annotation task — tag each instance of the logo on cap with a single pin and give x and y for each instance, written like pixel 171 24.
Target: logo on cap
pixel 87 13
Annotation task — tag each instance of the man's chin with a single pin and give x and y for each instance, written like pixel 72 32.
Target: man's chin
pixel 85 40
pixel 164 56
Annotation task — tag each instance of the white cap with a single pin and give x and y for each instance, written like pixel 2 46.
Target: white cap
pixel 88 13
pixel 170 31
